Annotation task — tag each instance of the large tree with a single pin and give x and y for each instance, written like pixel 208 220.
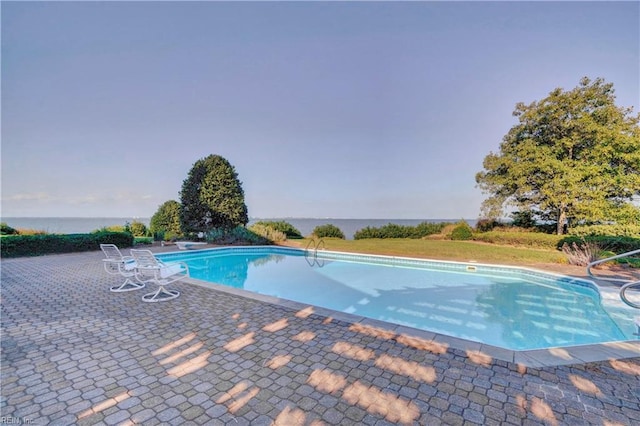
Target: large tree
pixel 212 196
pixel 574 157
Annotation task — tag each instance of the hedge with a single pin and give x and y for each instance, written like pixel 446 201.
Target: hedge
pixel 526 239
pixel 38 245
pixel 392 230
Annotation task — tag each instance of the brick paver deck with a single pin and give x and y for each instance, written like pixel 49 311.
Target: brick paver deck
pixel 74 353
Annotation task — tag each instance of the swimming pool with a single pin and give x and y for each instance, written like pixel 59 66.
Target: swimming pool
pixel 508 307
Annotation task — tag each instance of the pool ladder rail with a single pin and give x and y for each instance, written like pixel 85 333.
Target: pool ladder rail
pixel 313 260
pixel 627 284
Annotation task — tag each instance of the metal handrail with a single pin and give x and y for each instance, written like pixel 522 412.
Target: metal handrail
pixel 315 252
pixel 623 296
pixel 316 247
pixel 597 262
pixel 627 283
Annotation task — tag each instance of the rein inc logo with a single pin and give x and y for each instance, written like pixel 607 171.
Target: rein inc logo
pixel 10 420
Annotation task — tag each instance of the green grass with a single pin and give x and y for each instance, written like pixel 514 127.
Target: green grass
pixel 463 251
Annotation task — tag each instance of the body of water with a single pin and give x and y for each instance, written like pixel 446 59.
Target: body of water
pixel 72 225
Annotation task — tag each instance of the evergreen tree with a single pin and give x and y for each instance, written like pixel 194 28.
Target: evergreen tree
pixel 212 196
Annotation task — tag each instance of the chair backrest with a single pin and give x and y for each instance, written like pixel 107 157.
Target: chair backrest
pixel 145 259
pixel 111 251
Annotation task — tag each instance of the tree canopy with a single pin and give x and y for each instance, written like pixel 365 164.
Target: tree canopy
pixel 212 196
pixel 167 219
pixel 573 158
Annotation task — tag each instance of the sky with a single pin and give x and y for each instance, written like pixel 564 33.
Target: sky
pixel 325 109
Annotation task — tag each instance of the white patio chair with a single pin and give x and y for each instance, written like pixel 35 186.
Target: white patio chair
pixel 150 269
pixel 117 264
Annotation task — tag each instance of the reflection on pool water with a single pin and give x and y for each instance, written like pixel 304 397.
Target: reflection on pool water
pixel 512 308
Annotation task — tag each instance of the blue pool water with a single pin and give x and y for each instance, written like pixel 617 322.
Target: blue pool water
pixel 501 306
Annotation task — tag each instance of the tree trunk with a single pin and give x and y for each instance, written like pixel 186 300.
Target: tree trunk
pixel 562 218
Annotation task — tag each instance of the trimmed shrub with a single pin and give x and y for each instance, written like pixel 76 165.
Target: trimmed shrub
pixel 143 240
pixel 462 232
pixel 37 245
pixel 288 229
pixel 328 231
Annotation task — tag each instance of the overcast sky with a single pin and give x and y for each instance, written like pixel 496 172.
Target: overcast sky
pixel 344 110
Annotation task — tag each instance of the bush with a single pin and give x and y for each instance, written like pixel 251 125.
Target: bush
pixel 288 229
pixel 7 230
pixel 235 236
pixel 582 254
pixel 393 230
pixel 328 231
pixel 486 225
pixel 138 229
pixel 618 245
pixel 271 234
pixel 37 245
pixel 462 231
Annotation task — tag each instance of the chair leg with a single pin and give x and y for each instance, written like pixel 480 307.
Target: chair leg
pixel 127 285
pixel 160 295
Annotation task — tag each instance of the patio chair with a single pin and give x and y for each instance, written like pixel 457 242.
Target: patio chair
pixel 117 264
pixel 150 269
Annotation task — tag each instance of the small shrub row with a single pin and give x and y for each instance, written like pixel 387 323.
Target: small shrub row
pixel 328 231
pixel 288 229
pixel 393 230
pixel 235 236
pixel 37 245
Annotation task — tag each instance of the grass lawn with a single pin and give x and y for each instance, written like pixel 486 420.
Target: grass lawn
pixel 462 251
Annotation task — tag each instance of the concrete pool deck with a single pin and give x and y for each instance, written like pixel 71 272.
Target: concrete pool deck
pixel 74 353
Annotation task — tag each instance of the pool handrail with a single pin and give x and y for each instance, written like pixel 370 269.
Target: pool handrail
pixel 314 261
pixel 627 283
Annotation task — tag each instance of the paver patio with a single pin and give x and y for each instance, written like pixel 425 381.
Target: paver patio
pixel 74 353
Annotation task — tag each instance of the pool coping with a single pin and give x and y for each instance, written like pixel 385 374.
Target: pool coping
pixel 538 358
